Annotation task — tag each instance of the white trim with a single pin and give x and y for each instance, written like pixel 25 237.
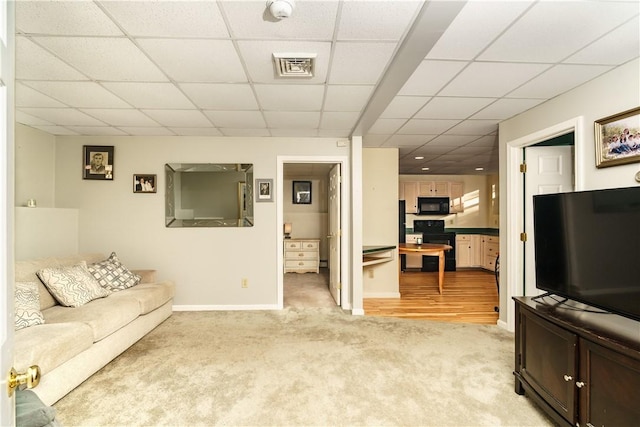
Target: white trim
pixel 511 222
pixel 382 295
pixel 503 325
pixel 345 202
pixel 225 307
pixel 357 312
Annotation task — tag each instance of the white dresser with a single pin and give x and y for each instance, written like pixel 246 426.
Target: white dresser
pixel 301 255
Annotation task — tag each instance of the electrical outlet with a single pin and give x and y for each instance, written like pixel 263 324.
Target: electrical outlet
pixel 245 283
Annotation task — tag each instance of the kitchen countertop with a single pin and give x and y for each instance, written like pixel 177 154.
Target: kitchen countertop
pixel 485 231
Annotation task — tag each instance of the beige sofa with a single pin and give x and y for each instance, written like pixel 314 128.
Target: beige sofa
pixel 74 343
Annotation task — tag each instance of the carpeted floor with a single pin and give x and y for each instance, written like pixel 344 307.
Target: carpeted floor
pixel 306 366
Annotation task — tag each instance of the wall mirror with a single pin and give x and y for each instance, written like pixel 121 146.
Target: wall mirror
pixel 209 194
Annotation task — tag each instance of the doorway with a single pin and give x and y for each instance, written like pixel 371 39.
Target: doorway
pixel 321 220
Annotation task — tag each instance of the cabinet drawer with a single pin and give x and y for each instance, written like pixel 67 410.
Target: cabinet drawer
pixel 293 245
pixel 300 264
pixel 463 237
pixel 491 239
pixel 308 245
pixel 491 249
pixel 301 255
pixel 489 262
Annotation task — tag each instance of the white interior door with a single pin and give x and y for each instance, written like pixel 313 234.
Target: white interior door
pixel 334 236
pixel 549 170
pixel 6 209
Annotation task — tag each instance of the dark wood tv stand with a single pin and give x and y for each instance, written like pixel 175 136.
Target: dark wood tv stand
pixel 582 368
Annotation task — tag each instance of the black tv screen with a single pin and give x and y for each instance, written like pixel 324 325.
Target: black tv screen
pixel 587 247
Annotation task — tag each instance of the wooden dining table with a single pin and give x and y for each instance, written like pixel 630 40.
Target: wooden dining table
pixel 430 249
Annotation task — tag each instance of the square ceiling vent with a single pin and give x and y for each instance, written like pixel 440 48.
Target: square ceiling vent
pixel 295 64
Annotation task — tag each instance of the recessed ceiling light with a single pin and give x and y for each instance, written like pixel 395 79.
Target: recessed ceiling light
pixel 419 157
pixel 425 169
pixel 479 169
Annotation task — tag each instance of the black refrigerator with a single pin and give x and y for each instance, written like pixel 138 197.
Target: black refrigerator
pixel 402 232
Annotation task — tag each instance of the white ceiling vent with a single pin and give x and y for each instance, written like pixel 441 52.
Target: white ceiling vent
pixel 295 64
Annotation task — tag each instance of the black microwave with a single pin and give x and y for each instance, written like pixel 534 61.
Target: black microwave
pixel 433 206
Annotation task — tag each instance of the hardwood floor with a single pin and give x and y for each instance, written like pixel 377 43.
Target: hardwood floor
pixel 469 296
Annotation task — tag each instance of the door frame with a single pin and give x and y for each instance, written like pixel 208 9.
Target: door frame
pixel 345 271
pixel 511 209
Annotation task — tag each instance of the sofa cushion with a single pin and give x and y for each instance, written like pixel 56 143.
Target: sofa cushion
pixel 112 275
pixel 72 286
pixel 104 316
pixel 50 345
pixel 27 305
pixel 149 295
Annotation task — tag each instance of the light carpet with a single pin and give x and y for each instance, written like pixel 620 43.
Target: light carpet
pixel 306 367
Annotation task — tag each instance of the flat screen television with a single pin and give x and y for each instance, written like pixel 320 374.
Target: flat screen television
pixel 587 247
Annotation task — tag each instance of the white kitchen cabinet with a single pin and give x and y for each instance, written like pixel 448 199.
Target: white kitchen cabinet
pixel 468 250
pixel 409 193
pixel 433 188
pixel 490 250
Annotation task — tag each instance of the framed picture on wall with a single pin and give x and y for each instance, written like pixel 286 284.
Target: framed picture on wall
pixel 618 139
pixel 97 162
pixel 144 183
pixel 301 192
pixel 264 190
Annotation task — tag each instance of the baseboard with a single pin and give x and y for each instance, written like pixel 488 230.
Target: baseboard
pixel 226 307
pixel 357 312
pixel 502 324
pixel 381 295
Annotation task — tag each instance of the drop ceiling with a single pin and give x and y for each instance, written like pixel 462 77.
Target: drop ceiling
pixel 433 79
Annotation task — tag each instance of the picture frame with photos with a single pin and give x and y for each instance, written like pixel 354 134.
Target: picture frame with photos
pixel 98 162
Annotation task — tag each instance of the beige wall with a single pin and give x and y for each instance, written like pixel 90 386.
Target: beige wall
pixel 380 219
pixel 207 264
pixel 35 163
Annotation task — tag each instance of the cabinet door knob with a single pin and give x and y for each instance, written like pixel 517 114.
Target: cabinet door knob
pixel 568 378
pixel 300 254
pixel 580 384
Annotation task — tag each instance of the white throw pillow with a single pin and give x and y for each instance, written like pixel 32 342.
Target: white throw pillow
pixel 72 286
pixel 27 305
pixel 112 275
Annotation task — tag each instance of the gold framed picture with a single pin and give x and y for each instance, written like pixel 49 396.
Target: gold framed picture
pixel 617 139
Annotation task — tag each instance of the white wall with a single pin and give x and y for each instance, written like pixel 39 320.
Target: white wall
pixel 45 232
pixel 207 264
pixel 475 216
pixel 612 93
pixel 380 219
pixel 35 163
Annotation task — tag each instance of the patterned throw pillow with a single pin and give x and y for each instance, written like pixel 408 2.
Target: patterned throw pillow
pixel 27 305
pixel 72 286
pixel 112 275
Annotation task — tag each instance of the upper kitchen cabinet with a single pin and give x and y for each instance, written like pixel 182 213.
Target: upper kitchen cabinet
pixel 409 193
pixel 433 189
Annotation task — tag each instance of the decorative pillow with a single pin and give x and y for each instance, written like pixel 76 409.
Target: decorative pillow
pixel 27 305
pixel 112 275
pixel 72 286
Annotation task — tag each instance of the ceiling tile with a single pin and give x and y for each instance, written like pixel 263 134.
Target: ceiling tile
pixel 290 97
pixel 409 140
pixel 35 63
pixel 470 150
pixel 179 118
pixel 296 133
pixel 474 127
pixel 245 132
pixel 334 133
pixel 339 120
pixel 477 25
pixel 386 126
pixel 104 58
pixel 258 57
pixel 347 97
pixel 452 108
pixel 548 22
pixel 373 140
pixel 292 120
pixel 27 97
pixel 79 94
pixel 63 116
pixel 486 141
pixel 359 63
pixel 451 140
pixel 219 96
pixel 56 130
pixel 430 76
pixel 236 119
pixel 311 20
pixel 491 79
pixel 64 18
pixel 29 119
pixel 426 126
pixel 617 47
pixel 504 109
pixel 169 18
pixel 147 131
pixel 96 130
pixel 196 131
pixel 427 150
pixel 150 95
pixel 121 117
pixel 198 61
pixel 379 21
pixel 404 107
pixel 557 80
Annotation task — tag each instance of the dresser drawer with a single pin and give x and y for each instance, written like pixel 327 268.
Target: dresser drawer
pixel 293 245
pixel 301 264
pixel 307 246
pixel 301 255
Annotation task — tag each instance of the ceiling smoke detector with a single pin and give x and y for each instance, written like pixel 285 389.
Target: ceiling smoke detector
pixel 295 64
pixel 281 9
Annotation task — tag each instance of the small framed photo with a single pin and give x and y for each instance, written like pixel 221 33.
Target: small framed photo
pixel 301 192
pixel 98 162
pixel 144 183
pixel 264 190
pixel 617 139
